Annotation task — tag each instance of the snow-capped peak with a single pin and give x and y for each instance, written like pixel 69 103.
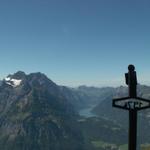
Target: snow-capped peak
pixel 12 82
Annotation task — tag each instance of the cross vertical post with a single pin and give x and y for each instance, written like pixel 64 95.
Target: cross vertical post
pixel 131 81
pixel 132 129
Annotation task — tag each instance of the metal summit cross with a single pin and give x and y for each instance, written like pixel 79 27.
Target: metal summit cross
pixel 132 103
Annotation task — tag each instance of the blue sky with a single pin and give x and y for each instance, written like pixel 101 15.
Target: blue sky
pixel 76 42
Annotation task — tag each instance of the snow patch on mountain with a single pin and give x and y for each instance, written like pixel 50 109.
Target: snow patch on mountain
pixel 12 82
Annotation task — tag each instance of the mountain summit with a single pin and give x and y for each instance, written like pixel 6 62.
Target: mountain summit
pixel 18 75
pixel 35 115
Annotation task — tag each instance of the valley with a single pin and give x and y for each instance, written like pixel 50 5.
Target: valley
pixel 87 112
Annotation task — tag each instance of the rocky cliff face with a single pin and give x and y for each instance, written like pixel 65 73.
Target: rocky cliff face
pixel 35 115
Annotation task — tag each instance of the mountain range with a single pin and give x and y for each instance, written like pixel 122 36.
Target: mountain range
pixel 37 114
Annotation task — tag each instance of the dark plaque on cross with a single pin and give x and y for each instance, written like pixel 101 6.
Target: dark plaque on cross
pixel 132 103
